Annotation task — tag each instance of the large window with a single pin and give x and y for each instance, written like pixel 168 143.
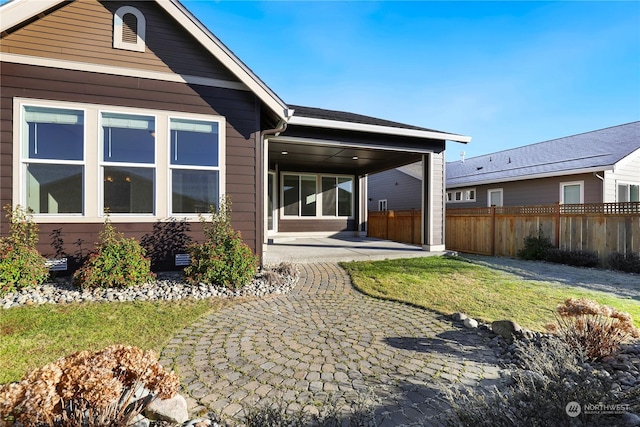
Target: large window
pixel 80 159
pixel 194 160
pixel 628 193
pixel 309 195
pixel 53 158
pixel 128 148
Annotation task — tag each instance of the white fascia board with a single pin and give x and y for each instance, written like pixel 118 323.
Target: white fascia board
pixel 389 130
pixel 119 71
pixel 533 176
pixel 332 143
pixel 17 11
pixel 224 55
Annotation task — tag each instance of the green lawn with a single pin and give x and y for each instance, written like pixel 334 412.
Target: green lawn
pixel 448 284
pixel 36 335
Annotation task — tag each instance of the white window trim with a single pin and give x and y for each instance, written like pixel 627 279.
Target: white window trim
pixel 491 190
pixel 92 185
pixel 118 43
pixel 565 184
pixel 464 196
pixel 381 203
pixel 318 198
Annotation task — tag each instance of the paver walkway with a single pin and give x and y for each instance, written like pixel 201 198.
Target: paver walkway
pixel 325 338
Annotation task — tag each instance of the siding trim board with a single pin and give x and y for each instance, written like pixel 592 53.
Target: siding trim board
pixel 64 64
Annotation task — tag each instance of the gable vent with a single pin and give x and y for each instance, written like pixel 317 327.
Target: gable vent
pixel 129 28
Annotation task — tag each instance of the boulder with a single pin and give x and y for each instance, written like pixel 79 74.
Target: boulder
pixel 507 329
pixel 458 317
pixel 173 410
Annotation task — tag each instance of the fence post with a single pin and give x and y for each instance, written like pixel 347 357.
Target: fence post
pixel 493 230
pixel 557 228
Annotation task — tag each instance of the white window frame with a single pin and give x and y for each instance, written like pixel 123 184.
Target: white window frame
pixel 495 190
pixel 141 33
pixel 318 194
pixel 626 184
pixel 93 197
pixel 461 196
pixel 382 204
pixel 570 183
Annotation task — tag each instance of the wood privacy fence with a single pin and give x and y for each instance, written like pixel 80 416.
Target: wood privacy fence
pixel 603 228
pixel 399 226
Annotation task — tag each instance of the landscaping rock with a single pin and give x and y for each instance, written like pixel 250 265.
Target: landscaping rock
pixel 507 329
pixel 140 421
pixel 630 420
pixel 459 317
pixel 173 410
pixel 470 323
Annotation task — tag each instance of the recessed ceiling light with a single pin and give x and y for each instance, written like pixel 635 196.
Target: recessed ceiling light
pixel 355 157
pixel 284 153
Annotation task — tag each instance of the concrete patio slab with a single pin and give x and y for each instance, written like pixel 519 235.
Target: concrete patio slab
pixel 339 248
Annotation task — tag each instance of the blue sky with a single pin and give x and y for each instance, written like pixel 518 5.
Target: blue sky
pixel 506 73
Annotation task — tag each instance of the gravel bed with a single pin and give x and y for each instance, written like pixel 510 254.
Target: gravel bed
pixel 168 286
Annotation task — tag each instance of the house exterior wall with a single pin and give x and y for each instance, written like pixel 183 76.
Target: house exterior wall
pixel 63 37
pixel 541 191
pixel 626 171
pixel 402 192
pixel 81 31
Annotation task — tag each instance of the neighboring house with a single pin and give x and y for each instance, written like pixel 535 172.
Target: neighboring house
pixel 136 107
pixel 601 166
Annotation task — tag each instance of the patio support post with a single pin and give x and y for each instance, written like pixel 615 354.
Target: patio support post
pixel 432 202
pixel 362 205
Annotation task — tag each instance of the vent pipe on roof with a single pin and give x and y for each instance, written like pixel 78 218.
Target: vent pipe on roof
pixel 462 154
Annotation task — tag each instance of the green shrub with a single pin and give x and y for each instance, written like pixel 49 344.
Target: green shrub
pixel 21 265
pixel 223 259
pixel 629 262
pixel 575 258
pixel 535 247
pixel 118 262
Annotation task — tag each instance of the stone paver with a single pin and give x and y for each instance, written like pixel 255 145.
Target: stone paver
pixel 325 339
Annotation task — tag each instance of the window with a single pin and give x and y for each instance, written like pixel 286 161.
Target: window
pixel 129 29
pixel 53 159
pixel 194 160
pixel 494 197
pixel 128 149
pixel 628 193
pixel 79 159
pixel 572 192
pixel 317 195
pixel 382 205
pixel 461 196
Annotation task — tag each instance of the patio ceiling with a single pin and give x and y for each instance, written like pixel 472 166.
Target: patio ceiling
pixel 300 156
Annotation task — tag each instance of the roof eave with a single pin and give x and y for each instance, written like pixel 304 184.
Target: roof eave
pixel 389 130
pixel 533 176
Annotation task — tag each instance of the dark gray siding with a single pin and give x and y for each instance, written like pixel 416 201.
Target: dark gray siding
pixel 542 191
pixel 403 192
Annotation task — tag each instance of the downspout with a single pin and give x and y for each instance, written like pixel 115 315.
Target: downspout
pixel 281 127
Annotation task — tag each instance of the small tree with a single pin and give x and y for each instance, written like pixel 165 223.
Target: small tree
pixel 118 262
pixel 223 258
pixel 21 265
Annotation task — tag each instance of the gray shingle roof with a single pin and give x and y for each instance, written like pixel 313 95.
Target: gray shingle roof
pixel 597 149
pixel 342 116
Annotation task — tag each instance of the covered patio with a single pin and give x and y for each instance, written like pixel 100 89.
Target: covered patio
pixel 316 176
